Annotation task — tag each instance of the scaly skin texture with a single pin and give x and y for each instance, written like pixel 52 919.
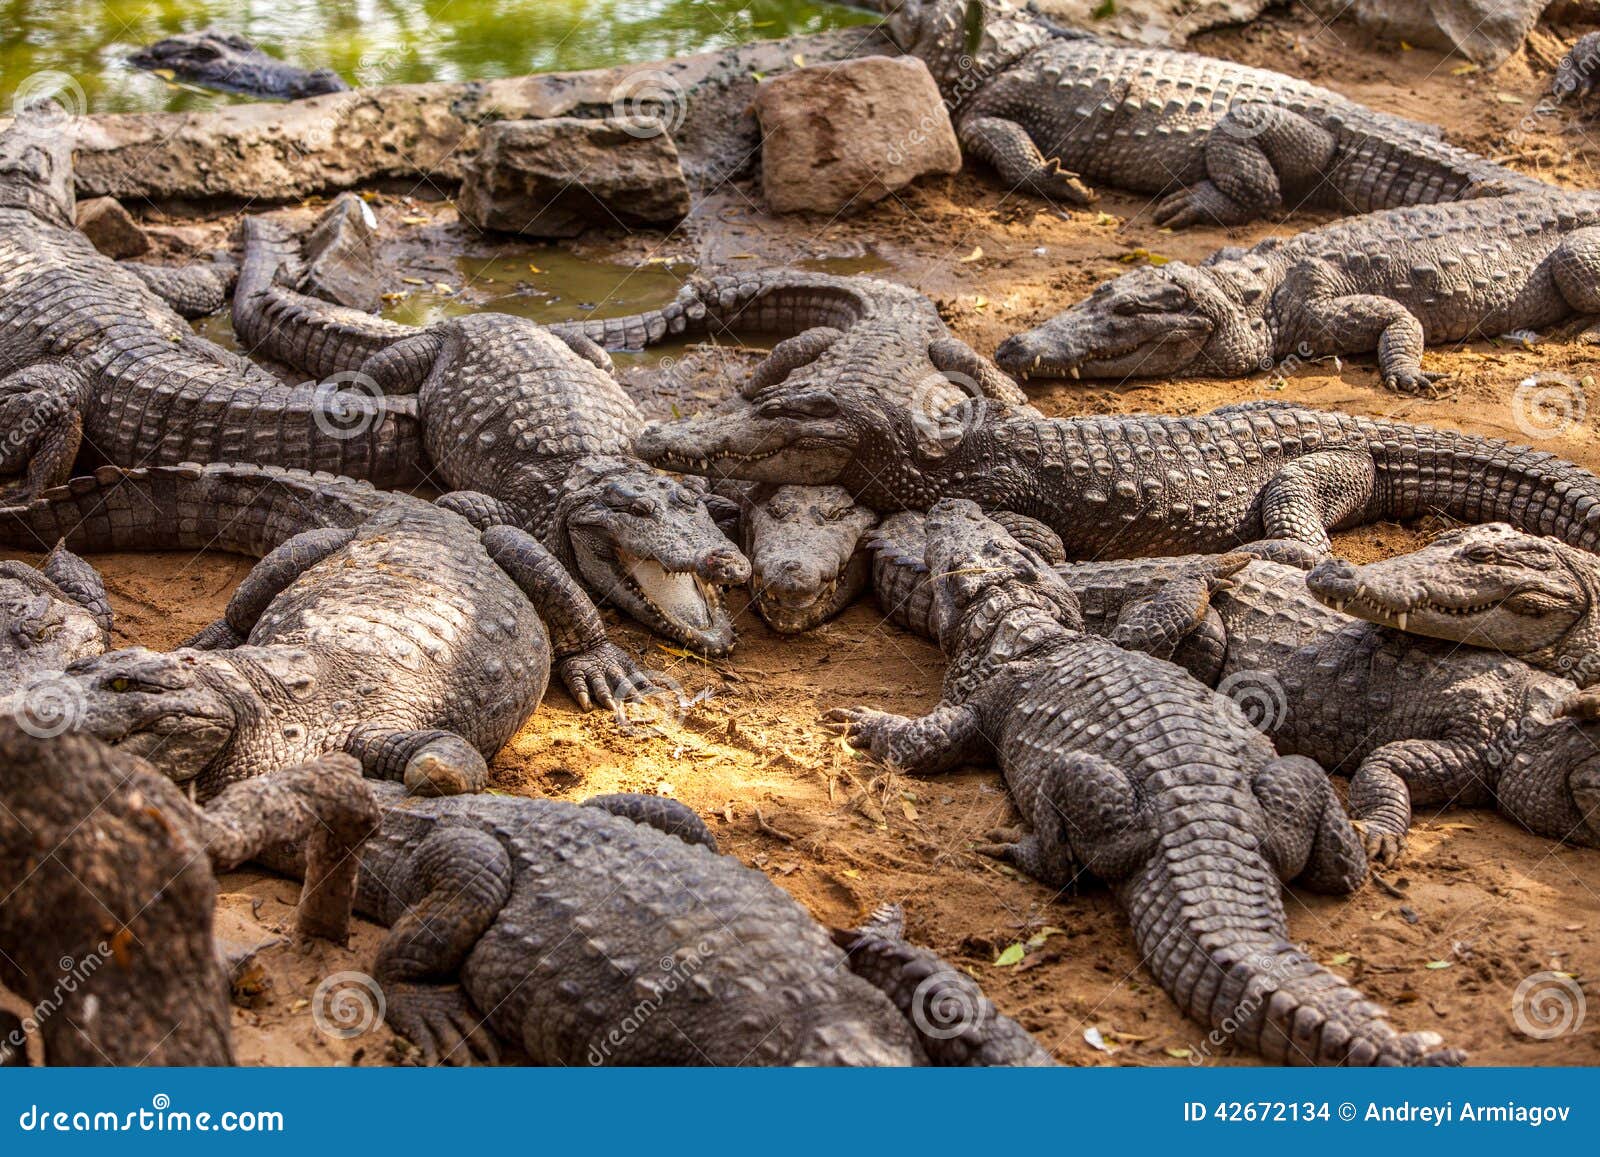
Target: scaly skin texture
pixel 806 546
pixel 1536 599
pixel 49 617
pixel 531 419
pixel 1385 282
pixel 106 870
pixel 1221 142
pixel 1128 769
pixel 1415 721
pixel 375 624
pixel 592 939
pixel 227 61
pixel 104 358
pixel 1142 483
pixel 857 332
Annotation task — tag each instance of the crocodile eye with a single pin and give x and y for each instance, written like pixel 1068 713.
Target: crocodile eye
pixel 118 684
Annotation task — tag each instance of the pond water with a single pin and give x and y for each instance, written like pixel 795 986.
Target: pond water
pixel 82 43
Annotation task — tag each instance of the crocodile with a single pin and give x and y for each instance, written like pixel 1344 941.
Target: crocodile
pixel 375 623
pixel 99 358
pixel 530 419
pixel 228 62
pixel 108 876
pixel 1387 282
pixel 612 933
pixel 50 616
pixel 1218 142
pixel 1535 599
pixel 1413 721
pixel 806 546
pixel 1129 770
pixel 1141 483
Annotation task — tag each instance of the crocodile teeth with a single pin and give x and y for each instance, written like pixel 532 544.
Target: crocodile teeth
pixel 1073 370
pixel 1400 619
pixel 678 595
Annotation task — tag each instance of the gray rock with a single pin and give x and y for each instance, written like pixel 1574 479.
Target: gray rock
pixel 111 228
pixel 339 254
pixel 851 133
pixel 1159 23
pixel 1484 31
pixel 556 177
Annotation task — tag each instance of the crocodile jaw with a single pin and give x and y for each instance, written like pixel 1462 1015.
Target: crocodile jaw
pixel 679 604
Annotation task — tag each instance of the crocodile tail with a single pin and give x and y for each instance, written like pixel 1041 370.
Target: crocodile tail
pixel 772 302
pixel 313 336
pixel 243 509
pixel 1423 470
pixel 1234 973
pixel 900 574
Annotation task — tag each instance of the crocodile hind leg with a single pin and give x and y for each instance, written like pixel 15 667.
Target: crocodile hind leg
pixel 1575 265
pixel 1310 839
pixel 1087 816
pixel 1397 775
pixel 402 367
pixel 1007 147
pixel 463 876
pixel 946 737
pixel 1314 493
pixel 41 416
pixel 192 290
pixel 428 762
pixel 1182 606
pixel 594 669
pixel 659 812
pixel 1255 152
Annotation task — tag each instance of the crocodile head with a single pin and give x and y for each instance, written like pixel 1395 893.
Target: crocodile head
pixel 961 41
pixel 1488 586
pixel 179 710
pixel 36 167
pixel 645 543
pixel 41 628
pixel 805 558
pixel 1160 321
pixel 995 600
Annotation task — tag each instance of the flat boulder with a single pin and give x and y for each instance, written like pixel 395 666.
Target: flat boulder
pixel 847 134
pixel 557 176
pixel 111 228
pixel 1484 31
pixel 340 256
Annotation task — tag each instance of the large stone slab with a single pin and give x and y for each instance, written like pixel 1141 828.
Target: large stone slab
pixel 1484 31
pixel 1167 23
pixel 558 176
pixel 848 134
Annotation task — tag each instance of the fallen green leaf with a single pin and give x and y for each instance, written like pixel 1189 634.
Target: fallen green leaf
pixel 1012 955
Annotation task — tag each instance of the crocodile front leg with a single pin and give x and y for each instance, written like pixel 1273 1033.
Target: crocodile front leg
pixel 1255 151
pixel 1575 265
pixel 322 804
pixel 1310 839
pixel 464 877
pixel 593 668
pixel 1159 624
pixel 1358 323
pixel 659 812
pixel 428 762
pixel 1410 771
pixel 1314 493
pixel 279 570
pixel 41 414
pixel 946 737
pixel 1007 147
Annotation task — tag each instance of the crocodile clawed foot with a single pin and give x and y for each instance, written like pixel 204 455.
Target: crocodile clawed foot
pixel 1005 835
pixel 1383 848
pixel 1050 865
pixel 605 675
pixel 1202 204
pixel 860 726
pixel 448 765
pixel 441 1023
pixel 1058 184
pixel 1415 382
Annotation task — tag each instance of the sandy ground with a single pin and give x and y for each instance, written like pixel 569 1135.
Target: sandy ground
pixel 1478 904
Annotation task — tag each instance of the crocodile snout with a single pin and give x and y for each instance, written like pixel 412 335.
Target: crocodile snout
pixel 724 565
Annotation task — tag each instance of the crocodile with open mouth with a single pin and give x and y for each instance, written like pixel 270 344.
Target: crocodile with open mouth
pixel 1128 769
pixel 1220 142
pixel 1489 586
pixel 375 623
pixel 529 418
pixel 1137 484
